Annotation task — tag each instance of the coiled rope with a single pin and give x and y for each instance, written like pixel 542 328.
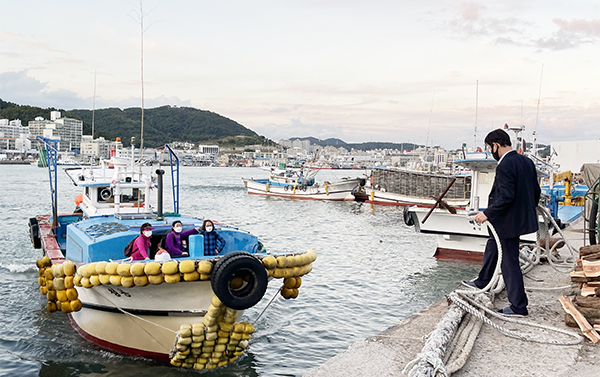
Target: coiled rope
pixel 429 361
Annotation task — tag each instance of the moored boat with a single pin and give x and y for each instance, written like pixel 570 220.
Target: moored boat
pixel 186 310
pixel 301 184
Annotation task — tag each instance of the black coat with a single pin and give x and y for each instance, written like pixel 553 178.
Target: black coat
pixel 514 197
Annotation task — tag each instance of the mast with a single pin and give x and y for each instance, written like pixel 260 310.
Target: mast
pixel 94 105
pixel 142 78
pixel 537 114
pixel 476 108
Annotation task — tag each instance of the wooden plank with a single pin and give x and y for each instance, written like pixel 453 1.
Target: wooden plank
pixel 591 268
pixel 589 249
pixel 588 302
pixel 584 325
pixel 588 290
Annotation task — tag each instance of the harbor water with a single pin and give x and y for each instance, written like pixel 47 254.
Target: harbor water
pixel 372 271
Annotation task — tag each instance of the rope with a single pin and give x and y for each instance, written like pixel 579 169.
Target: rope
pixel 272 299
pixel 141 319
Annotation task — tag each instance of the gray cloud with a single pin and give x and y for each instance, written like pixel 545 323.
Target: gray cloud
pixel 20 88
pixel 470 21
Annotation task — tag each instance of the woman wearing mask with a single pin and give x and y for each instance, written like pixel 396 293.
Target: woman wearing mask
pixel 141 245
pixel 213 242
pixel 174 239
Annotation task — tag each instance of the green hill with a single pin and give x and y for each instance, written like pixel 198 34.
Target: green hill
pixel 161 124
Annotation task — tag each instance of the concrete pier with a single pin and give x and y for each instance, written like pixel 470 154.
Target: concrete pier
pixel 494 354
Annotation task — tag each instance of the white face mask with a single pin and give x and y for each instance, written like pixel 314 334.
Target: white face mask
pixel 148 233
pixel 177 229
pixel 209 228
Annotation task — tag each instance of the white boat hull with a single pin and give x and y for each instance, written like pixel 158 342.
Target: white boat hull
pixel 149 328
pixel 339 191
pixel 459 236
pixel 388 198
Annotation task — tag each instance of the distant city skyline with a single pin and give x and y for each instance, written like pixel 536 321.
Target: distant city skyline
pixel 382 71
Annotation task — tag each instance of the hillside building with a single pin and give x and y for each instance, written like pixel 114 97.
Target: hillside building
pixel 67 130
pixel 14 137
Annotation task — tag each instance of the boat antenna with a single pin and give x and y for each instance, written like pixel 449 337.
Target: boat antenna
pixel 94 105
pixel 476 107
pixel 537 113
pixel 430 115
pixel 140 20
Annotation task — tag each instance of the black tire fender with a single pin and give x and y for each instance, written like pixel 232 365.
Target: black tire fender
pixel 34 233
pixel 593 223
pixel 408 220
pixel 239 264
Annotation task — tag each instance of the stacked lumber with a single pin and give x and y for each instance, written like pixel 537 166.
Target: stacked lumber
pixel 584 310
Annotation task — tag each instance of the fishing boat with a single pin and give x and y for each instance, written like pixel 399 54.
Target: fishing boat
pixel 398 187
pixel 300 184
pixel 187 310
pixel 460 237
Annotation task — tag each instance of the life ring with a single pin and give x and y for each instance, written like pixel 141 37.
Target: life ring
pixel 34 233
pixel 106 194
pixel 244 265
pixel 408 220
pixel 478 149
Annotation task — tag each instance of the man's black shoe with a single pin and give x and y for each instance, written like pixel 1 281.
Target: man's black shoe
pixel 510 313
pixel 470 284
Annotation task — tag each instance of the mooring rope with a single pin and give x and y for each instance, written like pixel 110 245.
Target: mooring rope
pixel 427 362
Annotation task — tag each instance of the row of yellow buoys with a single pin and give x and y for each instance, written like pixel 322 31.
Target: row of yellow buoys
pixel 141 274
pixel 290 268
pixel 57 283
pixel 214 342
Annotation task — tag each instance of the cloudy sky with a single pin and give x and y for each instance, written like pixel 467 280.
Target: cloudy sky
pixel 428 71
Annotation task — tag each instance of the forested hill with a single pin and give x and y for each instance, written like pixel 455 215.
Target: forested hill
pixel 359 146
pixel 161 124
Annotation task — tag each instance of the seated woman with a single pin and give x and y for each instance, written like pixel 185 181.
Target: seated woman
pixel 173 242
pixel 141 245
pixel 213 242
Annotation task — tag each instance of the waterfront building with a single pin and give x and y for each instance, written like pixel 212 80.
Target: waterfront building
pixel 96 148
pixel 208 149
pixel 67 130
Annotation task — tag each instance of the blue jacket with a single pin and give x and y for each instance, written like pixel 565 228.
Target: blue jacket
pixel 514 197
pixel 212 242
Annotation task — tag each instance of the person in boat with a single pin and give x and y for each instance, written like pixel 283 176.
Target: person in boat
pixel 141 245
pixel 213 242
pixel 511 210
pixel 176 238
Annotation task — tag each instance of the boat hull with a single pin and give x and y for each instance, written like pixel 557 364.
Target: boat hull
pixel 378 197
pixel 336 191
pixel 459 236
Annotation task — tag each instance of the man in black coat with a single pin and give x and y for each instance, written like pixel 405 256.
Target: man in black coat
pixel 512 211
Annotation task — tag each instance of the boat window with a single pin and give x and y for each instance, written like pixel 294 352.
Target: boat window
pixel 87 192
pixel 129 195
pixel 105 195
pixel 487 177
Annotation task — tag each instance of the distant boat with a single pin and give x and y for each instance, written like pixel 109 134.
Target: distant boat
pixel 398 187
pixel 301 184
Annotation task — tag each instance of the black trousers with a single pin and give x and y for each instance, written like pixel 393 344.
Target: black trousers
pixel 511 271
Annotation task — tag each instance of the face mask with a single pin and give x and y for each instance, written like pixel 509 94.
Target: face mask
pixel 148 233
pixel 209 228
pixel 495 154
pixel 177 229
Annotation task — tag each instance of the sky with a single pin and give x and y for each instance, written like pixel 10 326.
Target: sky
pixel 432 72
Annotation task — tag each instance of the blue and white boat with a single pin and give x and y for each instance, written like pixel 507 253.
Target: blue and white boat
pixel 301 184
pixel 186 311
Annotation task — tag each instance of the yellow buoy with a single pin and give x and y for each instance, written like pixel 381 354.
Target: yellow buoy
pixel 77 280
pixel 187 266
pixel 95 280
pixel 104 279
pixel 111 268
pixel 170 268
pixel 69 268
pixel 198 328
pixel 287 293
pixel 51 306
pixel 205 277
pixel 59 283
pixel 191 276
pixel 51 295
pixel 69 281
pixel 75 305
pixel 289 282
pixel 291 261
pixel 127 281
pixel 61 295
pixel 282 261
pixel 41 281
pixel 57 270
pixel 278 273
pixel 86 282
pixel 137 269
pixel 152 268
pixel 124 269
pixel 172 279
pixel 48 274
pixel 140 281
pixel 114 280
pixel 156 279
pixel 204 267
pixel 72 294
pixel 65 307
pixel 215 302
pixel 101 267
